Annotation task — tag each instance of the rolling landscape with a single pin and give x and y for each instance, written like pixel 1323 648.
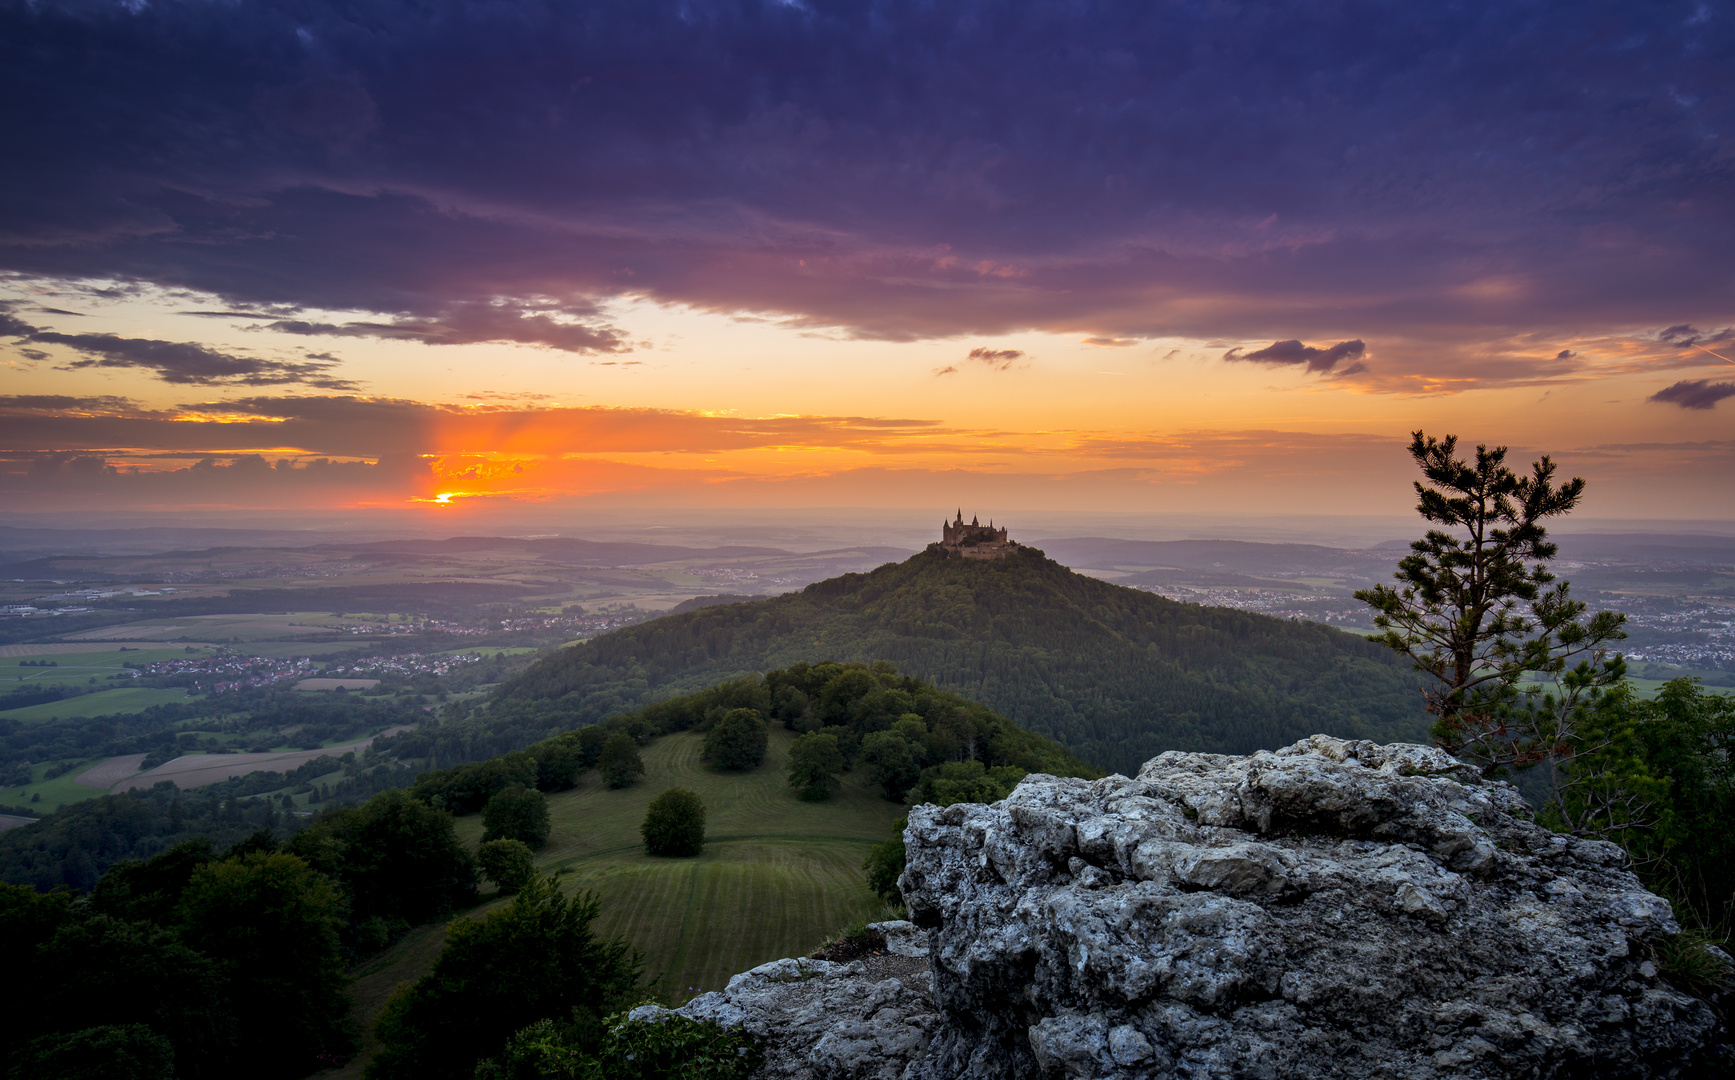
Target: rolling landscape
pixel 867 540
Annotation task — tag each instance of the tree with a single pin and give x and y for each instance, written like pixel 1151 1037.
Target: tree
pixel 814 762
pixel 509 864
pixel 1474 611
pixel 535 959
pixel 516 813
pixel 619 761
pixel 272 924
pixel 894 763
pixel 674 824
pixel 100 972
pixel 737 741
pixel 398 859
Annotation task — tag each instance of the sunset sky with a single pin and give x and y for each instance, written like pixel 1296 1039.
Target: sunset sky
pixel 1203 256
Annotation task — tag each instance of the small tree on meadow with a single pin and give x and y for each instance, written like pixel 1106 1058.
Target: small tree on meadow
pixel 814 762
pixel 674 824
pixel 738 741
pixel 516 813
pixel 509 864
pixel 1473 610
pixel 619 761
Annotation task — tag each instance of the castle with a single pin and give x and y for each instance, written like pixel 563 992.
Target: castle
pixel 975 540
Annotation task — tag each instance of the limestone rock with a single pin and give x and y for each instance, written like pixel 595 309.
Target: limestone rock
pixel 821 1020
pixel 1333 909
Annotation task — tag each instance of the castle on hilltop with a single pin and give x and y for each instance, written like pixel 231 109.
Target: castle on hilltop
pixel 975 540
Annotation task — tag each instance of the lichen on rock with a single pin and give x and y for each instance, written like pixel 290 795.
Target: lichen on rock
pixel 1331 909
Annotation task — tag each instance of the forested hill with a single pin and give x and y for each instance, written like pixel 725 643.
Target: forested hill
pixel 1114 674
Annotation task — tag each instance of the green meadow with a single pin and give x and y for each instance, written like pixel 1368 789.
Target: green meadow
pixel 777 877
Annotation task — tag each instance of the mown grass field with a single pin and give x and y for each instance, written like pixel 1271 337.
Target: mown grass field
pixel 130 699
pixel 80 667
pixel 777 876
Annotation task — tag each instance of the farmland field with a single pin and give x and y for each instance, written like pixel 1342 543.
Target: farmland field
pixel 129 699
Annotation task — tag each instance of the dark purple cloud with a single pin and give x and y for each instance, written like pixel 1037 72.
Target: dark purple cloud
pixel 1315 359
pixel 1694 393
pixel 897 167
pixel 182 362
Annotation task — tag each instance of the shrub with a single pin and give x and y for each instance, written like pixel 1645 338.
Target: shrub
pixel 619 761
pixel 516 813
pixel 507 863
pixel 737 742
pixel 675 824
pixel 668 1048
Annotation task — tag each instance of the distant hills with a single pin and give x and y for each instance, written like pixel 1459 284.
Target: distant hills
pixel 1114 674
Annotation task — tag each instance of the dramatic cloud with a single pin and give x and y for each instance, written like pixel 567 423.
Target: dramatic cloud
pixel 180 362
pixel 901 169
pixel 1694 393
pixel 466 324
pixel 1314 359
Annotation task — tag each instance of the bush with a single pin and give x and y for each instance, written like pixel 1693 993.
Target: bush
pixel 516 813
pixel 619 761
pixel 534 959
pixel 675 824
pixel 669 1048
pixel 737 742
pixel 814 762
pixel 507 863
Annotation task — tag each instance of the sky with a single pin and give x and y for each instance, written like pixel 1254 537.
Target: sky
pixel 468 258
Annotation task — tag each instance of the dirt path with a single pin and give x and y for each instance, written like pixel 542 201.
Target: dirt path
pixel 105 774
pixel 196 770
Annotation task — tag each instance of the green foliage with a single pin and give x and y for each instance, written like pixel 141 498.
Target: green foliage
pixel 737 741
pixel 397 859
pixel 669 1048
pixel 675 824
pixel 74 846
pixel 1115 674
pixel 894 762
pixel 117 1052
pixel 965 782
pixel 151 890
pixel 1655 777
pixel 535 959
pixel 272 924
pixel 509 864
pixel 1472 611
pixel 516 813
pixel 814 762
pixel 884 865
pixel 90 971
pixel 468 788
pixel 619 761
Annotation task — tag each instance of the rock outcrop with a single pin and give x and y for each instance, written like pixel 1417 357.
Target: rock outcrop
pixel 822 1020
pixel 1333 909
